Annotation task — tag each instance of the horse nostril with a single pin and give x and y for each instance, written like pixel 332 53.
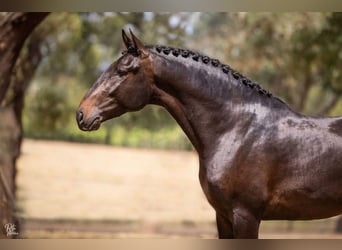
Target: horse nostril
pixel 80 116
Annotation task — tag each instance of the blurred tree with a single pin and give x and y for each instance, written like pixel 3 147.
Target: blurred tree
pixel 14 30
pixel 317 59
pixel 48 101
pixel 292 54
pixel 296 55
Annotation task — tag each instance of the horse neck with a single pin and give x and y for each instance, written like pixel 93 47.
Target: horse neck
pixel 205 102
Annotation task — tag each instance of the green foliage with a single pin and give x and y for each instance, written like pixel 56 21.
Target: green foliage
pixel 291 54
pixel 48 109
pixel 77 48
pixel 297 56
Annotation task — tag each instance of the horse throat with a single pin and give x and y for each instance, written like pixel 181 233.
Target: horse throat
pixel 177 110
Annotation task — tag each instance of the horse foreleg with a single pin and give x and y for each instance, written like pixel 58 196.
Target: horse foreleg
pixel 245 224
pixel 224 227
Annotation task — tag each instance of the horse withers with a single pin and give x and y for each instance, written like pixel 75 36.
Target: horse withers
pixel 258 159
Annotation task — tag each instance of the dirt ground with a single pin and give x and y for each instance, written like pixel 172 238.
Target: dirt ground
pixel 72 190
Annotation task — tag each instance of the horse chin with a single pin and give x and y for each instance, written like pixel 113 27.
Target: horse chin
pixel 95 125
pixel 114 114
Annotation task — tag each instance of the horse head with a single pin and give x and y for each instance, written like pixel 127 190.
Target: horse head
pixel 125 86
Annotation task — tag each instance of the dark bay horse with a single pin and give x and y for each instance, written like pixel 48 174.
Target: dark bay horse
pixel 259 160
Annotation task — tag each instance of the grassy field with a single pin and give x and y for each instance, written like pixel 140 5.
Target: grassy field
pixel 72 190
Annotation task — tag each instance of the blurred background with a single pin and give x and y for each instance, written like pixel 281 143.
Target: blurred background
pixel 138 175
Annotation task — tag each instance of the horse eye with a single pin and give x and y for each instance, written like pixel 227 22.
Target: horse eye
pixel 121 72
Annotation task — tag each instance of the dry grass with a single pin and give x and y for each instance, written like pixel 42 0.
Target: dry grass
pixel 70 180
pixel 72 190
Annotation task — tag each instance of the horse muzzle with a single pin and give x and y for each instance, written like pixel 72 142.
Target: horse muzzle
pixel 88 123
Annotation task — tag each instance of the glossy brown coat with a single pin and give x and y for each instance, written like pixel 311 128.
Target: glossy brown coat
pixel 259 160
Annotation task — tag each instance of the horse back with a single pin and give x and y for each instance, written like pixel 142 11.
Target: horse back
pixel 305 168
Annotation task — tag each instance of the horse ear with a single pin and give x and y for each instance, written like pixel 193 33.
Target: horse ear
pixel 127 41
pixel 139 45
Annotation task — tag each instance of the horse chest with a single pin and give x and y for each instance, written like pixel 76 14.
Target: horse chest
pixel 234 173
pixel 222 183
pixel 221 159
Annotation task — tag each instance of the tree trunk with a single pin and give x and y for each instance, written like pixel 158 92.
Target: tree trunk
pixel 14 29
pixel 305 89
pixel 9 139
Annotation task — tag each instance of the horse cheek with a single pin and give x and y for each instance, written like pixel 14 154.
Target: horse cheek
pixel 134 96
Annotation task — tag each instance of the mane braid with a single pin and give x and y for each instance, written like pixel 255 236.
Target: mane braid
pixel 214 62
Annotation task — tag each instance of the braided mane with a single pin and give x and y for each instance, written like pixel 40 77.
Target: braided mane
pixel 226 69
pixel 214 62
